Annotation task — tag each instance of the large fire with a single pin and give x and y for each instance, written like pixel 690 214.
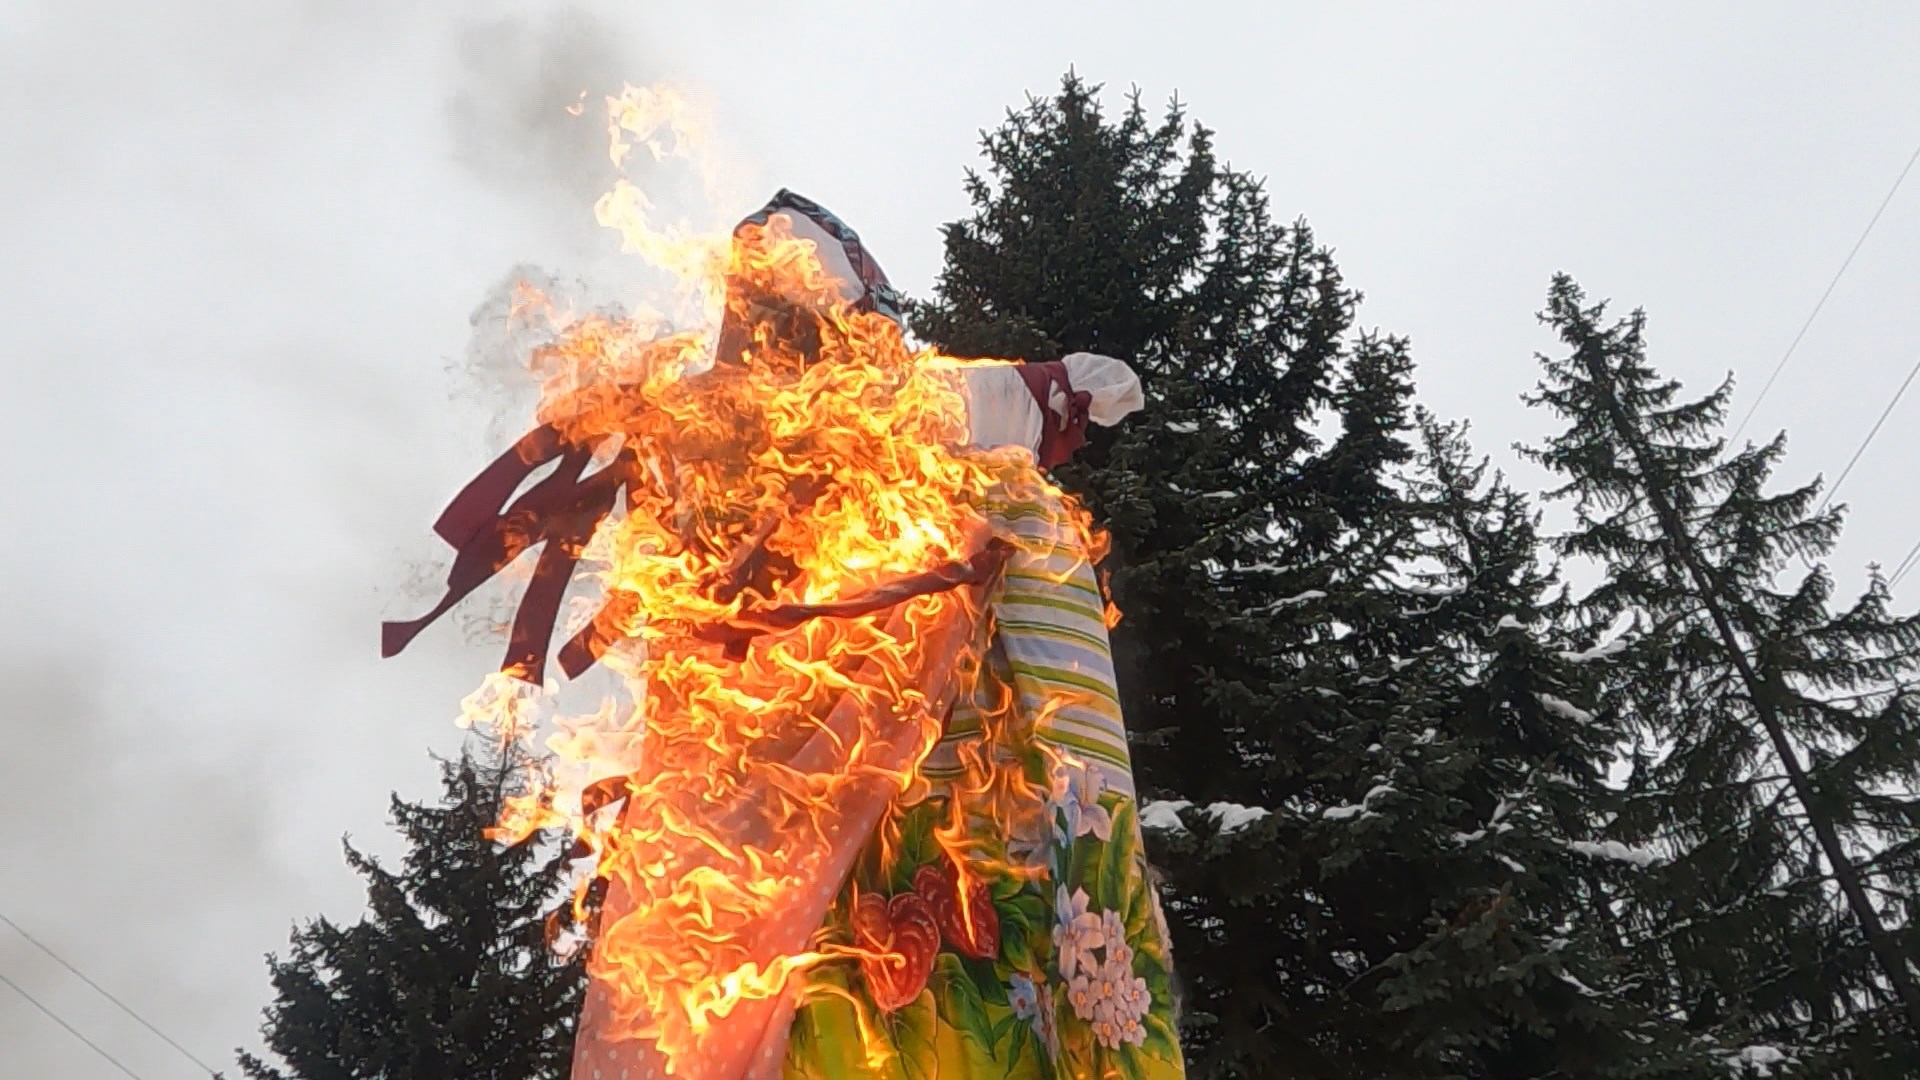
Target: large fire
pixel 777 690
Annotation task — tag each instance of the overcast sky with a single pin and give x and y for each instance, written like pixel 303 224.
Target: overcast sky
pixel 243 242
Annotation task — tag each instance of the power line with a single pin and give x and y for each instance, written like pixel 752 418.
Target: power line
pixel 71 1030
pixel 103 992
pixel 1884 413
pixel 1906 565
pixel 1788 355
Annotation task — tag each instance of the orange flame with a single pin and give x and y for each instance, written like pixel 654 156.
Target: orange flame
pixel 798 470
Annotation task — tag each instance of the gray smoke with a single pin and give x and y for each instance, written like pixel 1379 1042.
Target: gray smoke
pixel 243 247
pixel 515 80
pixel 135 855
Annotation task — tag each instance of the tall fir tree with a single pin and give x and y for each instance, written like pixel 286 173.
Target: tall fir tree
pixel 1322 729
pixel 449 974
pixel 1780 748
pixel 1463 884
pixel 1528 977
pixel 1127 236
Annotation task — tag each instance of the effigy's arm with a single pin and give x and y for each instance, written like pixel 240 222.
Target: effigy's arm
pixel 1044 408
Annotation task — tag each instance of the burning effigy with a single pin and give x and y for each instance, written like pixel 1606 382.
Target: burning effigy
pixel 864 804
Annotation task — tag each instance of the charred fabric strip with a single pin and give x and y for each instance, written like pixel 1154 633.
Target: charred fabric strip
pixel 562 512
pixel 752 562
pixel 975 570
pixel 566 915
pixel 594 798
pixel 751 565
pixel 980 569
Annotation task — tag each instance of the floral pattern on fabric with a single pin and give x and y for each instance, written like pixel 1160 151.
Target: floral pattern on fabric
pixel 1078 981
pixel 1003 918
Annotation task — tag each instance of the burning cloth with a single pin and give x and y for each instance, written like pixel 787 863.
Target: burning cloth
pixel 881 820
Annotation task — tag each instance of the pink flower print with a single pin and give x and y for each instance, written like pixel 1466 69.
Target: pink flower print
pixel 1080 995
pixel 1097 963
pixel 1113 938
pixel 1076 932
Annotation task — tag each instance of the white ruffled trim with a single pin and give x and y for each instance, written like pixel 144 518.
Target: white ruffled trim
pixel 1114 386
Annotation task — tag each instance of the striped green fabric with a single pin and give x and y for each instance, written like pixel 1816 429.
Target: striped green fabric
pixel 1050 647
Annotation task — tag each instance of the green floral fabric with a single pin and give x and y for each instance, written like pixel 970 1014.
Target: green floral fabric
pixel 1013 885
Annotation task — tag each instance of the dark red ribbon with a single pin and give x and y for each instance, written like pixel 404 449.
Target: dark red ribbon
pixel 975 570
pixel 561 512
pixel 1060 435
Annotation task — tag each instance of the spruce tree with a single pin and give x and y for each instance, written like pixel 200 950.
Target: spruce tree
pixel 1467 876
pixel 449 973
pixel 1779 747
pixel 1319 724
pixel 1127 236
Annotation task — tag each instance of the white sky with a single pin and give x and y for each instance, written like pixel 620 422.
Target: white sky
pixel 243 241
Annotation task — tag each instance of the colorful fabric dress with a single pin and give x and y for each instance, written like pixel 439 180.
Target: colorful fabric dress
pixel 1066 973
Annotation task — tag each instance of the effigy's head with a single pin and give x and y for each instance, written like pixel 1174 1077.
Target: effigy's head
pixel 797 279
